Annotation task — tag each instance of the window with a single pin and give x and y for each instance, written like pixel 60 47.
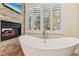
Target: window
pixel 42 17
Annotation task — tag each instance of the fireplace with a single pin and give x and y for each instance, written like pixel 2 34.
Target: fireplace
pixel 10 30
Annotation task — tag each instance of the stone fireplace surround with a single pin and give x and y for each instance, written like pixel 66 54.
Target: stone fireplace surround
pixel 9 47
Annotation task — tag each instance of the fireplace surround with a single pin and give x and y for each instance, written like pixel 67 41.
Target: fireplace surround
pixel 9 30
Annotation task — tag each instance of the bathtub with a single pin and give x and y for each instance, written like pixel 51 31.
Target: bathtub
pixel 33 46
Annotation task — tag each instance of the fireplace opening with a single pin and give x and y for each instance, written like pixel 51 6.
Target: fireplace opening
pixel 10 30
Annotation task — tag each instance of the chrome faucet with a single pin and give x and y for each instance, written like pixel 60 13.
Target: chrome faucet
pixel 44 34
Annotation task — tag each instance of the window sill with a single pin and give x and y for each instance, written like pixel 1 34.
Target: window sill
pixel 47 32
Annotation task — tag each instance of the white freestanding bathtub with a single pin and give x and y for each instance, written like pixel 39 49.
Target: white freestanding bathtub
pixel 33 46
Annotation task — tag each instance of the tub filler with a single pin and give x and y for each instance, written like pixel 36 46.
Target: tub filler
pixel 33 46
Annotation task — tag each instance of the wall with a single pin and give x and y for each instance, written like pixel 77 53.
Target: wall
pixel 69 14
pixel 70 19
pixel 78 19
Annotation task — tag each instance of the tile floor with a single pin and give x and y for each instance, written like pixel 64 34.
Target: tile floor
pixel 11 48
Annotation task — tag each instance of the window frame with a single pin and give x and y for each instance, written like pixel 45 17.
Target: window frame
pixel 41 25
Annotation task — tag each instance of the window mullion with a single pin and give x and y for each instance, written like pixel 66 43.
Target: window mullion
pixel 51 18
pixel 41 15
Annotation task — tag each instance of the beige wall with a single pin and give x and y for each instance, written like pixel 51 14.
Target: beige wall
pixel 69 21
pixel 78 20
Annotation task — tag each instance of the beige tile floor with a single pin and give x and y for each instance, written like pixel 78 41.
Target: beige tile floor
pixel 10 48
